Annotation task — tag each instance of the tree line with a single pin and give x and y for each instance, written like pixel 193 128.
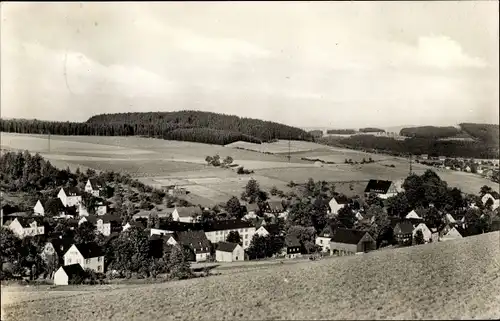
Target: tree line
pixel 341 131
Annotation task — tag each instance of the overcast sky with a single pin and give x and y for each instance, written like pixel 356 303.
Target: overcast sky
pixel 333 64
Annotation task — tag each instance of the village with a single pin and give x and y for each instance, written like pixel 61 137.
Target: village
pixel 77 233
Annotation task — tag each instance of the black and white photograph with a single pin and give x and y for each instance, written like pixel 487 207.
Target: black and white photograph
pixel 233 160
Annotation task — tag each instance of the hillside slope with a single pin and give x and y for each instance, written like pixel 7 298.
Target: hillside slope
pixel 450 280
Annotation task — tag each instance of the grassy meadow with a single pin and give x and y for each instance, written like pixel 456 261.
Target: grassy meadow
pixel 457 279
pixel 161 162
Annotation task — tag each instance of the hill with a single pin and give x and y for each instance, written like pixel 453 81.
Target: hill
pixel 429 132
pixel 193 126
pixel 447 280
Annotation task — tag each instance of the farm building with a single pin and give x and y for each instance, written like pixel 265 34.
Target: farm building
pixel 383 189
pixel 66 273
pixel 336 203
pixel 403 232
pixel 292 247
pixel 348 241
pixel 426 232
pixel 89 256
pixel 276 207
pixel 52 206
pixel 174 190
pixel 94 186
pixel 70 196
pixel 229 252
pixel 23 226
pixel 219 230
pixel 196 242
pixel 157 243
pixel 186 214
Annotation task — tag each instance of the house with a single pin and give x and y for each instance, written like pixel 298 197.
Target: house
pixel 53 206
pixel 89 256
pixel 55 248
pixel 449 219
pixel 133 223
pixel 335 204
pixel 403 232
pixel 101 208
pixel 175 190
pixel 383 189
pixel 106 224
pixel 218 231
pixel 413 215
pixel 467 168
pixel 196 242
pixel 434 234
pixel 70 196
pixel 252 211
pixel 348 242
pixel 175 226
pixel 424 156
pixel 25 226
pixel 186 214
pixel 292 247
pixel 494 197
pixel 323 240
pixel 94 186
pixel 66 273
pixel 229 252
pixel 265 230
pixel 358 216
pixel 450 234
pixel 157 242
pixel 272 208
pixel 426 232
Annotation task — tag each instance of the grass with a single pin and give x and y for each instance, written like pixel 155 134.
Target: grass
pixel 450 280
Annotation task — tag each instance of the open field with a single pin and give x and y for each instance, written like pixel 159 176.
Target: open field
pixel 278 147
pixel 450 280
pixel 161 162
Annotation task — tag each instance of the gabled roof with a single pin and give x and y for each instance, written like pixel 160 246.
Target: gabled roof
pixel 292 241
pixel 89 250
pixel 188 211
pixel 53 201
pixel 136 223
pixel 179 226
pixel 275 206
pixel 226 225
pixel 347 236
pixel 61 245
pixel 107 218
pixel 73 270
pixel 166 237
pixel 25 221
pixel 96 183
pixel 495 195
pixel 414 214
pixel 253 207
pixel 194 239
pixel 340 199
pixel 403 227
pixel 271 228
pixel 378 186
pixel 72 191
pixel 226 246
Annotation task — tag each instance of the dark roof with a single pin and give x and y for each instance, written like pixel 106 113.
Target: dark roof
pixel 25 221
pixel 179 226
pixel 188 211
pixel 91 218
pixel 73 269
pixel 347 236
pixel 292 241
pixel 53 201
pixel 275 206
pixel 89 250
pixel 226 246
pixel 194 239
pixel 495 195
pixel 61 245
pixel 165 237
pixel 272 228
pixel 377 186
pixel 341 199
pixel 226 225
pixel 403 227
pixel 72 191
pixel 106 218
pixel 136 223
pixel 96 183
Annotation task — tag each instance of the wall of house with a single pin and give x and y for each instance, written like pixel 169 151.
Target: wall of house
pixel 425 231
pixel 60 277
pixel 201 257
pixel 324 242
pixel 73 256
pixel 38 209
pixel 238 254
pixel 101 210
pixel 73 200
pixel 342 247
pixel 262 231
pixel 221 256
pixel 335 207
pixel 158 231
pixel 104 228
pixel 366 238
pixel 220 236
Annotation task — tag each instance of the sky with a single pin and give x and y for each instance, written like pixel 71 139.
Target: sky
pixel 306 64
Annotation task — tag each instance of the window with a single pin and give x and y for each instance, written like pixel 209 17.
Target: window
pixel 245 236
pixel 246 243
pixel 99 268
pixel 320 241
pixel 87 261
pixel 69 261
pixel 246 230
pixel 99 259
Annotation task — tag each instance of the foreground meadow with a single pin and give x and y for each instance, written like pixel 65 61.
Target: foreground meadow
pixel 450 280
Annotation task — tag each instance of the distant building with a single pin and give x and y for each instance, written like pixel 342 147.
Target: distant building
pixel 292 247
pixel 413 215
pixel 272 208
pixel 133 223
pixel 65 274
pixel 95 187
pixel 53 205
pixel 336 203
pixel 218 231
pixel 89 256
pixel 105 224
pixel 229 252
pixel 426 232
pixel 70 196
pixel 186 214
pixel 23 226
pixel 450 234
pixel 265 230
pixel 383 189
pixel 494 197
pixel 403 232
pixel 323 240
pixel 348 242
pixel 174 190
pixel 196 242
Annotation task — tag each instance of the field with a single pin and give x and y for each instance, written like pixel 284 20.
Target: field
pixel 450 280
pixel 160 162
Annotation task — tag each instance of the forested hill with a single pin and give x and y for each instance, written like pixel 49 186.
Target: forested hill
pixel 484 133
pixel 194 126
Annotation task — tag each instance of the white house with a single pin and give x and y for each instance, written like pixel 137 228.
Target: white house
pixel 132 223
pixel 495 199
pixel 23 227
pixel 229 252
pixel 262 231
pixel 38 208
pixel 324 242
pixel 52 205
pixel 66 273
pixel 218 231
pixel 336 204
pixel 100 209
pixel 105 224
pixel 186 214
pixel 94 187
pixel 196 241
pixel 265 230
pixel 383 189
pixel 89 256
pixel 427 233
pixel 452 234
pixel 449 219
pixel 70 196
